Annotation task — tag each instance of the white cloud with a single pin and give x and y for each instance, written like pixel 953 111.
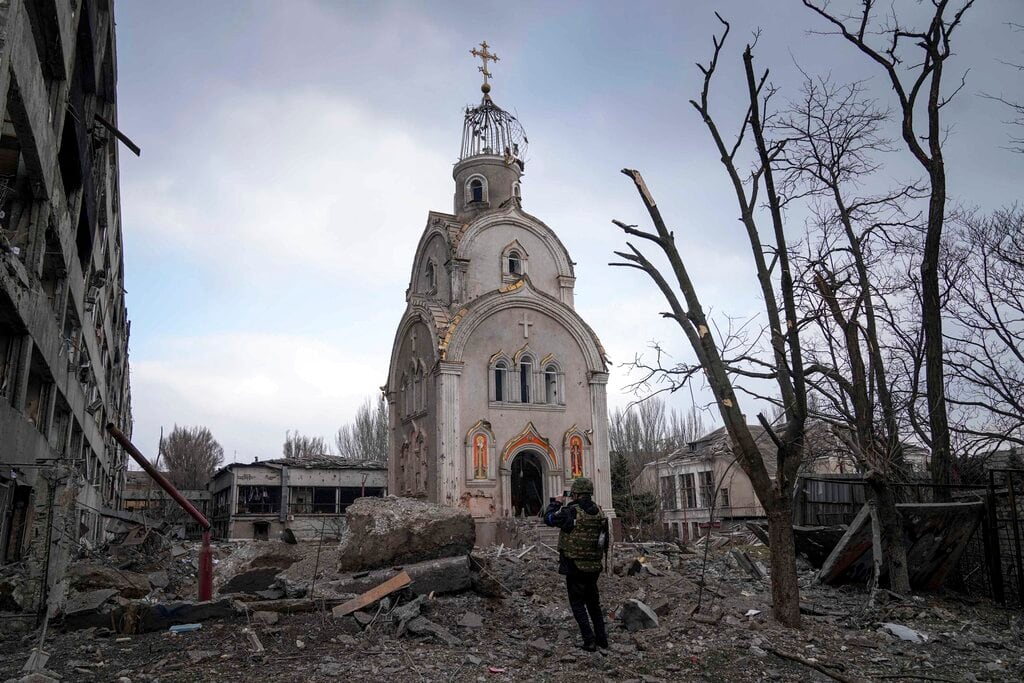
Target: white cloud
pixel 289 181
pixel 249 388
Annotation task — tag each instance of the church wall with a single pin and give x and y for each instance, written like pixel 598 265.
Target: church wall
pixel 503 332
pixel 485 266
pixel 415 473
pixel 435 252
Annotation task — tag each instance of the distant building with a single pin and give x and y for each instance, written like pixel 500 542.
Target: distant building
pixel 308 496
pixel 143 495
pixel 63 321
pixel 705 474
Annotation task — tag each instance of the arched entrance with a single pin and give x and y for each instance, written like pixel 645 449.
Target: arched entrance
pixel 527 485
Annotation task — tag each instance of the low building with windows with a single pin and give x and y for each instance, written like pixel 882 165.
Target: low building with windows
pixel 308 496
pixel 702 485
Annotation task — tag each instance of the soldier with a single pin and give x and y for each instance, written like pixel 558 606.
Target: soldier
pixel 582 543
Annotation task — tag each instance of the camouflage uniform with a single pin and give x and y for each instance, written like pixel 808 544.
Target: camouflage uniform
pixel 583 526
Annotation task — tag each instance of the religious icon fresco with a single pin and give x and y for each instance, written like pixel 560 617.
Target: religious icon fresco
pixel 576 456
pixel 480 457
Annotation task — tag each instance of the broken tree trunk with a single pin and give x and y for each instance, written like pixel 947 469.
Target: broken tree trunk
pixel 785 589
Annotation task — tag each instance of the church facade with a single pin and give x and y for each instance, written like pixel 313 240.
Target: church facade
pixel 497 387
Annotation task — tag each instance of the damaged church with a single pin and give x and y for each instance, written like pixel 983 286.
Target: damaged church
pixel 497 387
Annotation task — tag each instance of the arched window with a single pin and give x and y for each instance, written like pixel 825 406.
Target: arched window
pixel 476 190
pixel 500 372
pixel 516 192
pixel 403 396
pixel 515 263
pixel 417 392
pixel 431 275
pixel 551 385
pixel 525 371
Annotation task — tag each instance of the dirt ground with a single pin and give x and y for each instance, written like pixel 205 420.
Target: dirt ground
pixel 528 634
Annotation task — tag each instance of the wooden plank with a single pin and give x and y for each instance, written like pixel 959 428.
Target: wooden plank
pixel 373 595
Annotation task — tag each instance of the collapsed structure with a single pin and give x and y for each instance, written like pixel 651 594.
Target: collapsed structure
pixel 63 321
pixel 496 384
pixel 306 497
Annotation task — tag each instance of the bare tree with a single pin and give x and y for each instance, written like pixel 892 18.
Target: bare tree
pixel 685 427
pixel 985 276
pixel 1016 107
pixel 832 139
pixel 298 446
pixel 191 455
pixel 918 91
pixel 722 366
pixel 367 437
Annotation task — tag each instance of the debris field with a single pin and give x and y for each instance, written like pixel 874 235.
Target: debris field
pixel 419 602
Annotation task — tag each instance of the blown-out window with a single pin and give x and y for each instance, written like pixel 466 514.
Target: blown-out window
pixel 551 384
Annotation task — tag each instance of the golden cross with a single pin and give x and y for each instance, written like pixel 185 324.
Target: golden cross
pixel 485 57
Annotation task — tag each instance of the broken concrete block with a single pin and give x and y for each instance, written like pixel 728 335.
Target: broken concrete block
pixel 84 576
pixel 636 616
pixel 421 626
pixel 471 620
pixel 388 531
pixel 252 581
pixel 266 618
pixel 446 575
pixel 906 633
pixel 158 579
pixel 541 645
pixel 36 677
pixel 662 606
pixel 744 562
pixel 363 619
pixel 91 608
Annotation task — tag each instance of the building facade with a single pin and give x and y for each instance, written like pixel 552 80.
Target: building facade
pixel 307 496
pixel 143 495
pixel 496 385
pixel 63 321
pixel 702 485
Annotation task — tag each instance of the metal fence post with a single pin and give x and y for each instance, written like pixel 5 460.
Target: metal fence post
pixel 1016 535
pixel 990 534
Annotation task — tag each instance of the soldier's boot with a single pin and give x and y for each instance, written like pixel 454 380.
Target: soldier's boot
pixel 579 612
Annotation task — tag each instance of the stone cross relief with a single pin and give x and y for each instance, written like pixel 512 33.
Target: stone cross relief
pixel 526 325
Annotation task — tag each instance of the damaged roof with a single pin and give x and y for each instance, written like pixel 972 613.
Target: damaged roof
pixel 313 462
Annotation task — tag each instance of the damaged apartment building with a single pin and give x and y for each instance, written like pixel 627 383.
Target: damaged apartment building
pixel 63 322
pixel 301 498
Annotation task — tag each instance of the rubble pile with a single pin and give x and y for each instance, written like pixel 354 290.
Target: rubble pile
pixel 674 613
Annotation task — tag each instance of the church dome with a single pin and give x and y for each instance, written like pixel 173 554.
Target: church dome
pixel 489 130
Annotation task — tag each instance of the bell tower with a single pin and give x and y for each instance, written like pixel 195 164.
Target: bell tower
pixel 491 161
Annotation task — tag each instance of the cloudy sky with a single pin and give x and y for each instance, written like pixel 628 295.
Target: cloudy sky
pixel 291 151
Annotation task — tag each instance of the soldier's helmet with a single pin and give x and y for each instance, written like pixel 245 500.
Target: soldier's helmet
pixel 582 485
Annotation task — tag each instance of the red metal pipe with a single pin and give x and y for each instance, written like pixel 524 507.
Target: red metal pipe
pixel 205 555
